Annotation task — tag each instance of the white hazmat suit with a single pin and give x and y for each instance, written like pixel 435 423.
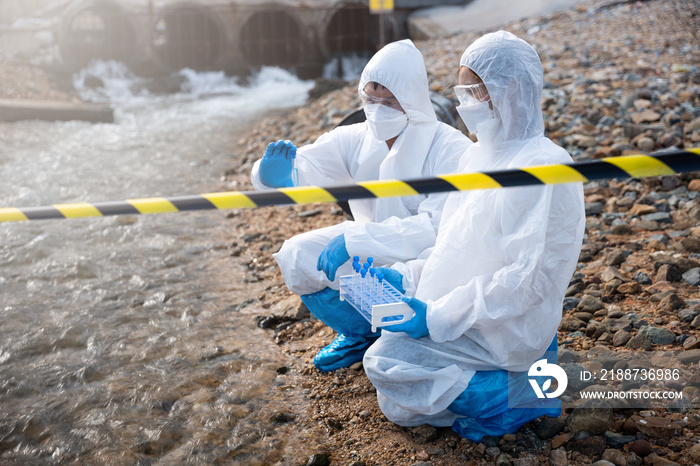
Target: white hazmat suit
pixel 388 229
pixel 495 281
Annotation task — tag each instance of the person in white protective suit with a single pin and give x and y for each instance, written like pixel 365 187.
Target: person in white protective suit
pixel 488 297
pixel 401 139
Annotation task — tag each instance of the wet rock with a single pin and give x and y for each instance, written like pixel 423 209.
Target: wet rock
pixel 645 144
pixel 629 288
pixel 658 217
pixel 570 324
pixel 595 329
pixel 689 357
pixel 658 427
pixel 634 459
pixel 696 322
pixel 591 446
pixel 690 245
pixel 692 277
pixel 557 457
pixel 615 457
pixel 691 342
pixel 549 427
pixel 424 434
pixel 639 342
pixel 503 459
pixel 694 453
pixel 281 418
pixel 618 441
pixel 688 314
pixel 527 461
pixel 566 355
pixel 680 405
pixel 593 208
pixel 657 335
pixel 594 416
pixel 621 229
pixel 621 337
pixel 573 373
pixel 668 273
pixel 640 447
pixel 615 257
pixel 590 304
pixel 616 324
pixel 670 303
pixel 642 278
pixel 319 459
pixel 529 440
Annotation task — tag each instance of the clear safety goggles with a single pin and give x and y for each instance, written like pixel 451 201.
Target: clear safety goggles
pixel 370 99
pixel 472 94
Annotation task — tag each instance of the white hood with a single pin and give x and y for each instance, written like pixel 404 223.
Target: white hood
pixel 399 67
pixel 512 73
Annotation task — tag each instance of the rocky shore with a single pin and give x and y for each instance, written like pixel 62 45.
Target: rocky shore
pixel 619 80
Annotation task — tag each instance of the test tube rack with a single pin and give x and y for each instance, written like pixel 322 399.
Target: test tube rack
pixel 377 301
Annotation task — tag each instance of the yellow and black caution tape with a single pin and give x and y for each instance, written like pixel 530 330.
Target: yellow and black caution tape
pixel 635 166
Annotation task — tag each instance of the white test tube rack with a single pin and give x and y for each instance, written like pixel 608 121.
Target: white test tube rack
pixel 376 300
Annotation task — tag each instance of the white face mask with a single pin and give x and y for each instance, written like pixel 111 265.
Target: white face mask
pixel 385 122
pixel 473 115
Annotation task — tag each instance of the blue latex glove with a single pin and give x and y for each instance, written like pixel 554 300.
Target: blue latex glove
pixel 333 256
pixel 277 163
pixel 416 327
pixel 393 277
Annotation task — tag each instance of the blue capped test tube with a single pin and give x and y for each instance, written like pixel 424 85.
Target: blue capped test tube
pixel 295 169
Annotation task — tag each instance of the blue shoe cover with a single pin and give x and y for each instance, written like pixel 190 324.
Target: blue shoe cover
pixel 354 332
pixel 338 315
pixel 344 351
pixel 496 403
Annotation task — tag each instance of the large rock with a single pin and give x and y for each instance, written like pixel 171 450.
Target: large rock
pixel 595 416
pixel 658 335
pixel 658 427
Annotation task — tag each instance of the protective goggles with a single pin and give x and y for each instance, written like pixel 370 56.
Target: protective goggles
pixel 369 99
pixel 472 94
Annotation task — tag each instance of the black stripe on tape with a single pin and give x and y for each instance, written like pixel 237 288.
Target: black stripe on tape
pixel 598 170
pixel 191 203
pixel 509 178
pixel 680 161
pixel 345 193
pixel 268 198
pixel 431 185
pixel 41 213
pixel 116 208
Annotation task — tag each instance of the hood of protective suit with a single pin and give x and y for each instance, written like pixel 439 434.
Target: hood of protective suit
pixel 399 67
pixel 512 73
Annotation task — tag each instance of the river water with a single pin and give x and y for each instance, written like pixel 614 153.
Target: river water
pixel 120 342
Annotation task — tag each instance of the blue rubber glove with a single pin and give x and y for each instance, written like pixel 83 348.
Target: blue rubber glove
pixel 277 163
pixel 333 256
pixel 393 277
pixel 416 327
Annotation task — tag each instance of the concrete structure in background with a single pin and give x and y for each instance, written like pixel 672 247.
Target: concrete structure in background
pixel 479 15
pixel 160 36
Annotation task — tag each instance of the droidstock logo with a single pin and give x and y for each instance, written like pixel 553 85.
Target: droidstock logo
pixel 542 368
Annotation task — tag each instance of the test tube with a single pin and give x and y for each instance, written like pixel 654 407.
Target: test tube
pixel 355 271
pixel 295 169
pixel 380 285
pixel 373 284
pixel 363 301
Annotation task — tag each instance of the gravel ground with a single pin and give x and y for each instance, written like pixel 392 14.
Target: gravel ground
pixel 619 81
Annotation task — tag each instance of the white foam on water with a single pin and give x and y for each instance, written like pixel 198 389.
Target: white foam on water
pixel 199 95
